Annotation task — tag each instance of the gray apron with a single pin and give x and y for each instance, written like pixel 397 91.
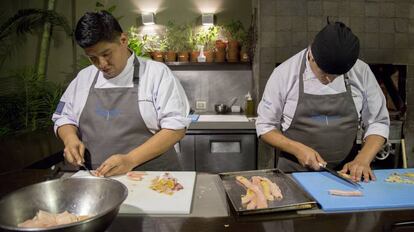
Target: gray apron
pixel 326 123
pixel 111 123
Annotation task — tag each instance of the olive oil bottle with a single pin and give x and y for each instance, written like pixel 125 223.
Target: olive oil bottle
pixel 249 109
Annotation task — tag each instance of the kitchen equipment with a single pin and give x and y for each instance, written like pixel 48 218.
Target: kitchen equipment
pixel 221 108
pixel 232 151
pixel 376 194
pixel 143 200
pixel 334 173
pixel 294 198
pixel 98 197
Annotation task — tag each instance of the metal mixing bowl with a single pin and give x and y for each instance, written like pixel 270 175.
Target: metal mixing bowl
pixel 98 197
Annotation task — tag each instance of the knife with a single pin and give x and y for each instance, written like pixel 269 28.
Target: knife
pixel 323 166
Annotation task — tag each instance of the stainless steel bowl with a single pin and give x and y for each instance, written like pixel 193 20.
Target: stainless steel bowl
pixel 99 197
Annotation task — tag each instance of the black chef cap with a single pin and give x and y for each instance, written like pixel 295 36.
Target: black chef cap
pixel 335 48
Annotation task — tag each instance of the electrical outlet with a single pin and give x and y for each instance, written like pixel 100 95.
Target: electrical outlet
pixel 201 105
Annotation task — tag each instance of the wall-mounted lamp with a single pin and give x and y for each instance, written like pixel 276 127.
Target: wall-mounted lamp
pixel 148 18
pixel 207 19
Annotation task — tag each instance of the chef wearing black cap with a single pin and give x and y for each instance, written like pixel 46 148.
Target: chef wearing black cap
pixel 313 103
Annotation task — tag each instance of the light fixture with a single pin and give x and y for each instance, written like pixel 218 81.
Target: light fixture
pixel 148 18
pixel 207 19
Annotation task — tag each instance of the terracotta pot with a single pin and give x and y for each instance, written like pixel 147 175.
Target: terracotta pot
pixel 209 56
pixel 244 56
pixel 183 56
pixel 170 56
pixel 220 44
pixel 220 56
pixel 194 55
pixel 232 55
pixel 158 56
pixel 233 44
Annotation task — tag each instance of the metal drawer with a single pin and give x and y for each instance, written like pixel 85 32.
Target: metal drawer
pixel 225 152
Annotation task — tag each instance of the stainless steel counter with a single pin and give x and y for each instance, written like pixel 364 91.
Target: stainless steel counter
pixel 222 126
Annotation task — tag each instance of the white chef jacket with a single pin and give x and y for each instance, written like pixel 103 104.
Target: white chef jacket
pixel 277 107
pixel 161 98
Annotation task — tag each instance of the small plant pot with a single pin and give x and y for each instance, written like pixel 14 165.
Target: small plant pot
pixel 170 56
pixel 158 56
pixel 183 56
pixel 220 44
pixel 220 56
pixel 232 55
pixel 233 44
pixel 209 56
pixel 194 55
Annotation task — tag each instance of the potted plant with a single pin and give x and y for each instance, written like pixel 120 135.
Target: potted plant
pixel 207 37
pixel 235 33
pixel 177 40
pixel 194 46
pixel 220 49
pixel 136 42
pixel 154 46
pixel 184 42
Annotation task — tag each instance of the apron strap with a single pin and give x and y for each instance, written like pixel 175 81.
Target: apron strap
pixel 136 71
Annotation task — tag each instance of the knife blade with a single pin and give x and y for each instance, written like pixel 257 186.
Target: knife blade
pixel 356 184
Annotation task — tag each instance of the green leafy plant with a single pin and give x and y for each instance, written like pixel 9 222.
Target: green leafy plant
pixel 178 37
pixel 206 37
pixel 99 6
pixel 14 29
pixel 136 42
pixel 28 100
pixel 154 43
pixel 234 30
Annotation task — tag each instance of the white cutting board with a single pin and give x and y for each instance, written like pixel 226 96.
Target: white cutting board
pixel 222 118
pixel 142 199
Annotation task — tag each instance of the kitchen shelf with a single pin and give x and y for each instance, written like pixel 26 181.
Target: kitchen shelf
pixel 209 66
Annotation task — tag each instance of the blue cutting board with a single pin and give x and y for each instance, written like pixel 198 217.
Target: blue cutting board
pixel 376 194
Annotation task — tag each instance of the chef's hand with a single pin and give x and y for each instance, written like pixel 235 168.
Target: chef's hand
pixel 308 157
pixel 358 169
pixel 117 164
pixel 74 151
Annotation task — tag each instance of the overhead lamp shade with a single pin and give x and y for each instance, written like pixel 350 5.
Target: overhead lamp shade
pixel 207 19
pixel 148 18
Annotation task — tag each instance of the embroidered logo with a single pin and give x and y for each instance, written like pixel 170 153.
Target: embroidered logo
pixel 107 114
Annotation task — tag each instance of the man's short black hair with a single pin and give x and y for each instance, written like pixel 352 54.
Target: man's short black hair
pixel 96 27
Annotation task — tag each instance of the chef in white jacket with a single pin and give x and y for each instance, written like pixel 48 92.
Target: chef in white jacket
pixel 313 102
pixel 127 112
